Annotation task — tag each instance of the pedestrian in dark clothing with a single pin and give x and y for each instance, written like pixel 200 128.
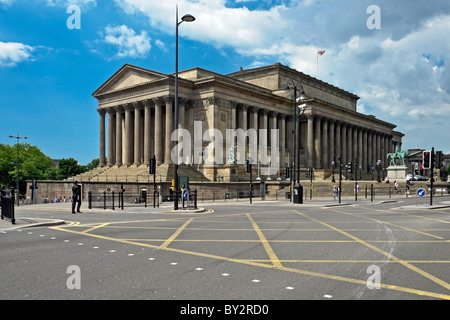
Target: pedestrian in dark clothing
pixel 76 196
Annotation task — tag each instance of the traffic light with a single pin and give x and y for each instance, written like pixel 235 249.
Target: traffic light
pixel 286 172
pixel 152 169
pixel 426 159
pixel 439 159
pixel 307 173
pixel 249 166
pixel 349 167
pixel 144 194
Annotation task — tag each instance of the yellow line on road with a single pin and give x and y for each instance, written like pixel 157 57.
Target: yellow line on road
pixel 269 266
pixel 169 241
pixel 95 227
pixel 402 262
pixel 273 257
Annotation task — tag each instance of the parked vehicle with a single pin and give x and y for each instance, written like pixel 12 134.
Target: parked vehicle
pixel 416 177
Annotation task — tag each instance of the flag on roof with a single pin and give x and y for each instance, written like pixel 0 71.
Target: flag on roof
pixel 321 52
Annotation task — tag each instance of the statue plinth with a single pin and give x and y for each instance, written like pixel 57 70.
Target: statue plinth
pixel 397 173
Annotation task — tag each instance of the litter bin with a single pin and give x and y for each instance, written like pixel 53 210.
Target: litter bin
pixel 298 193
pixel 7 211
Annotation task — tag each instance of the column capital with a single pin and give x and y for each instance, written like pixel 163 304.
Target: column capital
pixel 137 105
pixel 119 108
pixel 101 111
pixel 253 109
pixel 282 116
pixel 244 107
pixel 148 103
pixel 212 101
pixel 168 99
pixel 111 110
pixel 128 107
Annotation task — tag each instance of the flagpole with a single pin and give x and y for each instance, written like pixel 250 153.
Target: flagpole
pixel 317 75
pixel 319 52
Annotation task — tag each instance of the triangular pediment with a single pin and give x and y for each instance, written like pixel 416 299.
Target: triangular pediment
pixel 129 76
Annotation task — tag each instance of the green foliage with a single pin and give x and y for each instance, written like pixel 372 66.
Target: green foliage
pixel 93 164
pixel 34 164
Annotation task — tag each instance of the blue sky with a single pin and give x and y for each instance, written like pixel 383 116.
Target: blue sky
pixel 48 71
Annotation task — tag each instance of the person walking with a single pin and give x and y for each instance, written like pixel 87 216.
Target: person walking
pixel 76 197
pixel 335 191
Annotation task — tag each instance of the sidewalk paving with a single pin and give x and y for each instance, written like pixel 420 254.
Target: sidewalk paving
pixel 24 221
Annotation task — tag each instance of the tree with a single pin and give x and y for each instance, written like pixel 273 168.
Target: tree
pixel 32 164
pixel 70 167
pixel 93 164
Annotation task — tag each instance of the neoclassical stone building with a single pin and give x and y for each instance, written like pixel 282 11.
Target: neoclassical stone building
pixel 136 110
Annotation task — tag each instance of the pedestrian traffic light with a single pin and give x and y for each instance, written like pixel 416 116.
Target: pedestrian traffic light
pixel 249 166
pixel 426 159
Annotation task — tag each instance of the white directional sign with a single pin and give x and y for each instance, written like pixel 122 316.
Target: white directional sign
pixel 421 192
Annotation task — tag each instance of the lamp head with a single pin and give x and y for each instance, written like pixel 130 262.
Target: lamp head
pixel 188 18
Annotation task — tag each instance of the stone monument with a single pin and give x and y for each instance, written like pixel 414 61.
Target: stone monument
pixel 397 168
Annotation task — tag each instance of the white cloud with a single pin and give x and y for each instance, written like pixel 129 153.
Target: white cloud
pixel 84 4
pixel 12 53
pixel 401 72
pixel 127 41
pixel 161 45
pixel 7 2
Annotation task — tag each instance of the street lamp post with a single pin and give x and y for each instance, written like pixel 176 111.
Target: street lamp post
pixel 298 188
pixel 340 178
pixel 333 163
pixel 185 18
pixel 17 168
pixel 378 170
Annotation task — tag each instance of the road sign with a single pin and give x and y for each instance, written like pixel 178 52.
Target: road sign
pixel 185 194
pixel 421 192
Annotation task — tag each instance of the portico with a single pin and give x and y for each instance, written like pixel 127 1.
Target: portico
pixel 136 110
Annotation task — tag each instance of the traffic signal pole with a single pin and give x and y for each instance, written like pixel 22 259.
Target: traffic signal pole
pixel 432 175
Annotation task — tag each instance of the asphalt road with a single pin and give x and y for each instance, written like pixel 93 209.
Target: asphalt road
pixel 232 251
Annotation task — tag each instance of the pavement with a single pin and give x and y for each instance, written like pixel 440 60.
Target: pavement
pixel 24 222
pixel 23 219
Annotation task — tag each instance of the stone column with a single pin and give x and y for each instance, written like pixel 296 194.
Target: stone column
pixel 158 131
pixel 111 128
pixel 282 128
pixel 344 144
pixel 350 143
pixel 378 148
pixel 364 150
pixel 374 149
pixel 325 149
pixel 355 145
pixel 310 140
pixel 332 143
pixel 318 142
pixel 137 134
pixel 169 129
pixel 129 119
pixel 181 125
pixel 338 150
pixel 119 120
pixel 147 131
pixel 254 125
pixel 102 113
